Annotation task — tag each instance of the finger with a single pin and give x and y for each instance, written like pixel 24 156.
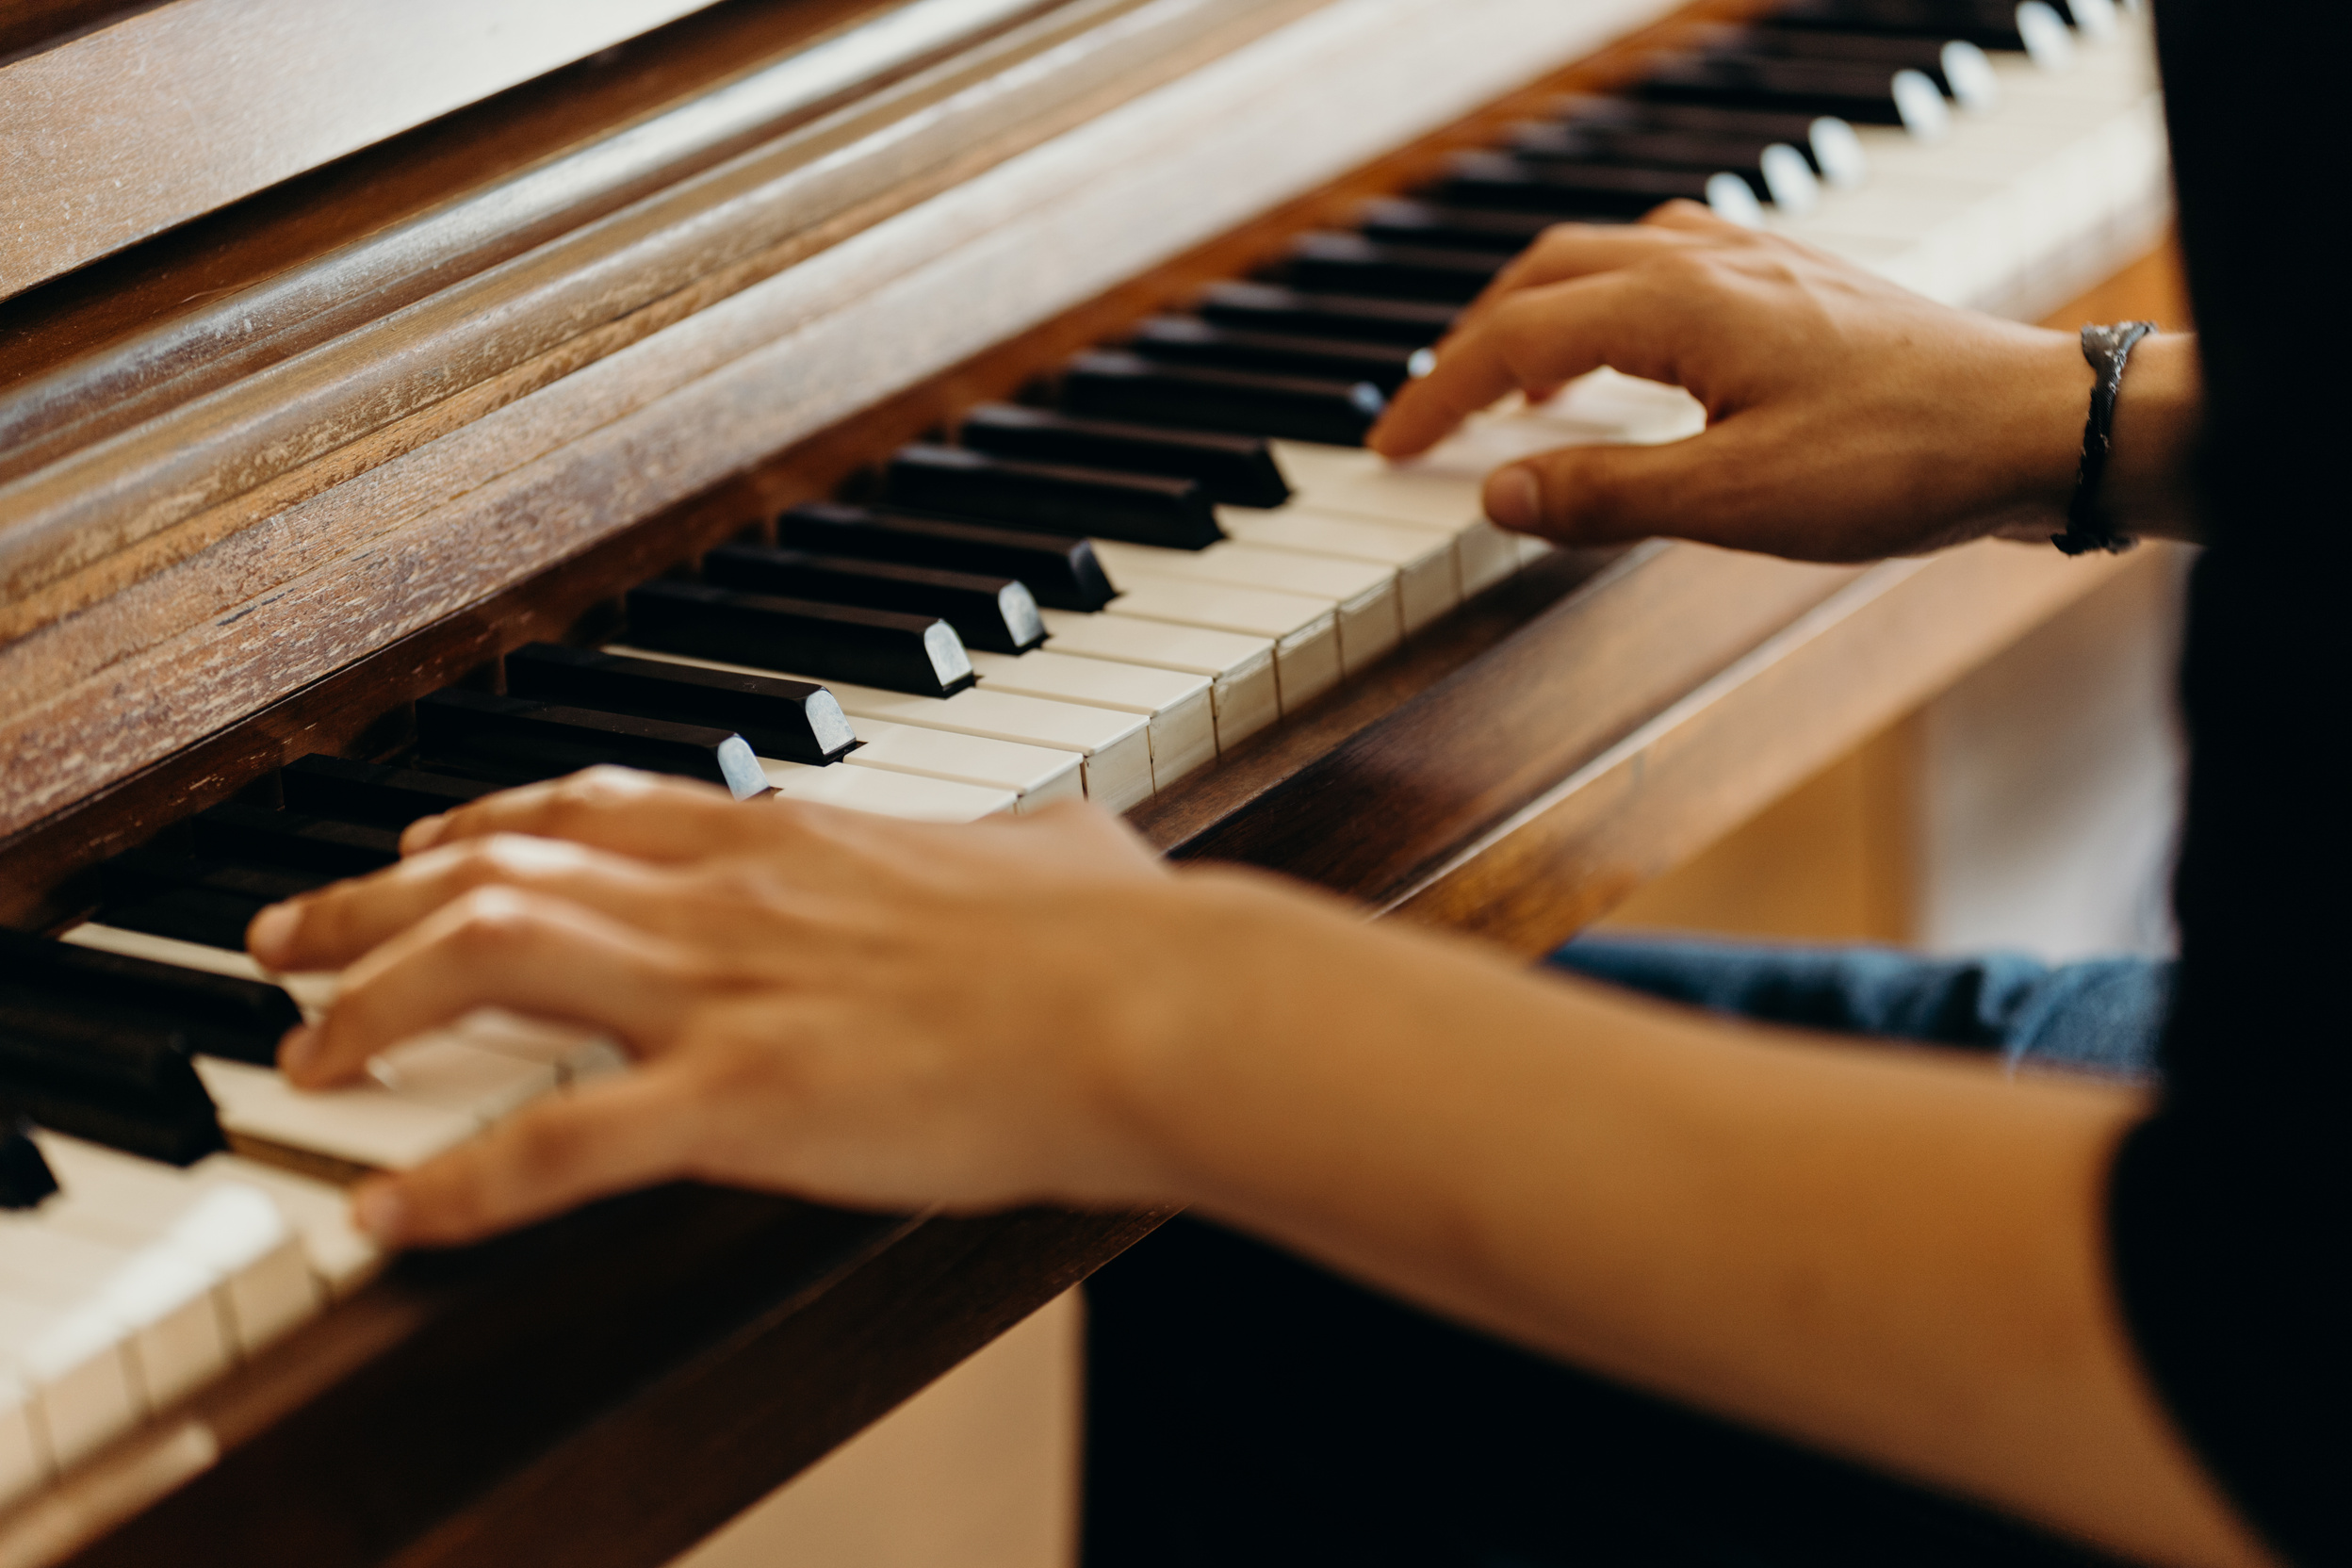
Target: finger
pixel 331 928
pixel 498 947
pixel 615 1135
pixel 1697 219
pixel 1712 487
pixel 648 815
pixel 1566 252
pixel 1538 338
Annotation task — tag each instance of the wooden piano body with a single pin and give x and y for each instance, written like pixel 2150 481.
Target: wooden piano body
pixel 341 435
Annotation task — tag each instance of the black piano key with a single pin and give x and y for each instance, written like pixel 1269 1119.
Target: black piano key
pixel 1568 190
pixel 1353 264
pixel 517 739
pixel 26 1179
pixel 249 835
pixel 1139 509
pixel 790 720
pixel 220 1015
pixel 139 872
pixel 1297 408
pixel 996 614
pixel 195 901
pixel 188 913
pixel 1455 228
pixel 1859 92
pixel 1934 58
pixel 1238 470
pixel 1707 151
pixel 920 654
pixel 1189 340
pixel 1270 308
pixel 1062 572
pixel 1827 142
pixel 104 1075
pixel 1986 23
pixel 1580 110
pixel 372 792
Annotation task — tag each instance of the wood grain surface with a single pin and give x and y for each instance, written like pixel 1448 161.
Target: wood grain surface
pixel 607 1389
pixel 166 113
pixel 214 606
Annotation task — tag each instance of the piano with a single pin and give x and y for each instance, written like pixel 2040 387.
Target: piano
pixel 937 408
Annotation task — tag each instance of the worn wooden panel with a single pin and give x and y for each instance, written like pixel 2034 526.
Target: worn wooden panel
pixel 615 441
pixel 603 1390
pixel 174 111
pixel 114 343
pixel 1877 647
pixel 1369 817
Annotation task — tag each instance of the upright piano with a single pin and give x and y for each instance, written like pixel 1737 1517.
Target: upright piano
pixel 936 407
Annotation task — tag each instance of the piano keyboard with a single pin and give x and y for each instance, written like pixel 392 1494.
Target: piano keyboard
pixel 1093 595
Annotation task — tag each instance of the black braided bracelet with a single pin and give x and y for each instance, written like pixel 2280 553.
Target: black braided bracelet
pixel 2108 349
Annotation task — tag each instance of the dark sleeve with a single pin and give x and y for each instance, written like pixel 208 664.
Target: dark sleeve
pixel 2231 1206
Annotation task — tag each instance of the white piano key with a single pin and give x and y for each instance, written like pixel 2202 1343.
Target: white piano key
pixel 22 1464
pixel 79 1374
pixel 1116 747
pixel 73 1357
pixel 1304 630
pixel 1175 706
pixel 422 1097
pixel 340 1256
pixel 1363 484
pixel 915 798
pixel 165 950
pixel 1363 594
pixel 1428 585
pixel 1037 775
pixel 268 1286
pixel 177 1338
pixel 261 1276
pixel 1244 698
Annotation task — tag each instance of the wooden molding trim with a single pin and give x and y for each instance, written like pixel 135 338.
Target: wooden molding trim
pixel 1886 641
pixel 385 535
pixel 134 126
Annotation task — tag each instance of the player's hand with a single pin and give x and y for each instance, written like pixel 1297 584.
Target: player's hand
pixel 1847 418
pixel 822 1002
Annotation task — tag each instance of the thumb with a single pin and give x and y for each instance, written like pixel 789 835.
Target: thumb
pixel 1602 494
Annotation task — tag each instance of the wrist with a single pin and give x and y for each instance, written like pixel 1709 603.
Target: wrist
pixel 2158 410
pixel 1187 1045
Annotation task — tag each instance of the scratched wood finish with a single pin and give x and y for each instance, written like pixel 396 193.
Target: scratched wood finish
pixel 154 495
pixel 530 1401
pixel 130 128
pixel 1888 640
pixel 26 25
pixel 327 583
pixel 107 345
pixel 844 1322
pixel 335 562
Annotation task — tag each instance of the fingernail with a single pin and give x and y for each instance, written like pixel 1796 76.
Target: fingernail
pixel 1515 500
pixel 422 834
pixel 295 1051
pixel 378 1209
pixel 270 937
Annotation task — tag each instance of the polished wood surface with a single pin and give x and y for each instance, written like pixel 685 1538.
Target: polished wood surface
pixel 153 118
pixel 243 543
pixel 607 1389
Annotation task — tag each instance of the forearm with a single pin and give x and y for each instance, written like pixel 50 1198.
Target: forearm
pixel 1896 1255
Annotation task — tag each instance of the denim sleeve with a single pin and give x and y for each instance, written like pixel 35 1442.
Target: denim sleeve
pixel 2103 1016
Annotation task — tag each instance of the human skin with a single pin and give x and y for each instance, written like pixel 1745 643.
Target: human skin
pixel 1897 1255
pixel 1847 418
